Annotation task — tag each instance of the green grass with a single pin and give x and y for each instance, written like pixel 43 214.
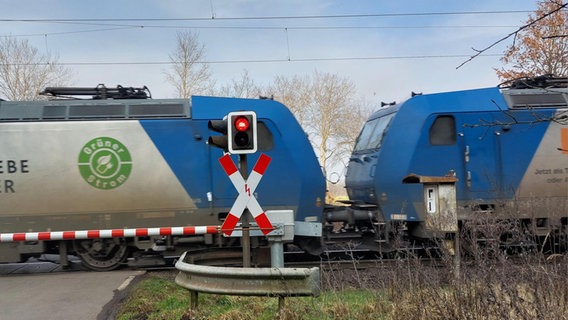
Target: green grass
pixel 533 287
pixel 158 297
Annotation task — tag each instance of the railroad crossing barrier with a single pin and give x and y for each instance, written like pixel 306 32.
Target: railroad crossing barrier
pixel 283 231
pixel 108 233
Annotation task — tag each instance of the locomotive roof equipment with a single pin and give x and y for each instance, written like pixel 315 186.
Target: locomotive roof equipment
pixel 98 92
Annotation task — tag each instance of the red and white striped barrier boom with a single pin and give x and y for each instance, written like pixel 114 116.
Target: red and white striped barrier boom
pixel 109 233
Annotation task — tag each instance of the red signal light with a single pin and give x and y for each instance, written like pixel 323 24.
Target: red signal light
pixel 241 132
pixel 242 124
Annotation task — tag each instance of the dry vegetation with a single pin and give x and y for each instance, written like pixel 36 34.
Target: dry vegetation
pixel 491 283
pixel 503 274
pixel 499 288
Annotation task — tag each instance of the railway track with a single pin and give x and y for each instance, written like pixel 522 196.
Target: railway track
pixel 45 264
pixel 335 259
pixel 226 257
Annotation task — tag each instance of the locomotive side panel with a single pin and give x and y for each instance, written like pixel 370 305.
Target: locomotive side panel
pixel 294 178
pixel 547 172
pixel 486 148
pixel 544 185
pixel 125 164
pixel 154 171
pixel 79 169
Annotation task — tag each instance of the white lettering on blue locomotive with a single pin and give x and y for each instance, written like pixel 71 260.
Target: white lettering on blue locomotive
pixel 102 184
pixel 99 143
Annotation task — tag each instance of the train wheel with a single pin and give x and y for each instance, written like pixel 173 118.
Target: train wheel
pixel 101 254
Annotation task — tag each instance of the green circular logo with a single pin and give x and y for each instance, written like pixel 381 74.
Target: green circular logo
pixel 105 163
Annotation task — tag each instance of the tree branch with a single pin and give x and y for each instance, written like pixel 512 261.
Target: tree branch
pixel 514 33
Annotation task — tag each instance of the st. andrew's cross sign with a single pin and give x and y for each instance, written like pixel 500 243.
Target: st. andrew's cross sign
pixel 246 197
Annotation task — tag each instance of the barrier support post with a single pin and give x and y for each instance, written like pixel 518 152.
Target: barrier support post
pixel 285 220
pixel 193 298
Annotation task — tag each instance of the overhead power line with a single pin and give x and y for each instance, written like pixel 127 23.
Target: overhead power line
pixel 67 32
pixel 130 27
pixel 106 63
pixel 338 16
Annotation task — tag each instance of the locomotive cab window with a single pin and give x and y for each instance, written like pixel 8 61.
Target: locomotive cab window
pixel 443 131
pixel 372 134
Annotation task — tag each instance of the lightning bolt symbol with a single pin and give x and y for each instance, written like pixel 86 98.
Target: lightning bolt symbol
pixel 247 189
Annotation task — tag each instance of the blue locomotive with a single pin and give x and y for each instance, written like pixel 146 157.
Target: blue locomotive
pixel 507 146
pixel 120 161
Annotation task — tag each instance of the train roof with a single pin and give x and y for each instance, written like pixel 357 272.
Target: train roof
pixel 58 110
pixel 199 107
pixel 482 100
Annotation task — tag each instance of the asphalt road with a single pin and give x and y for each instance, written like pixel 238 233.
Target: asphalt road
pixel 63 295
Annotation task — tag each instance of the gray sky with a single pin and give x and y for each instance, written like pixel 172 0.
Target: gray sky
pixel 387 48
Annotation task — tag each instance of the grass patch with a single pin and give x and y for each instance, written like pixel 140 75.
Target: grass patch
pixel 155 297
pixel 489 289
pixel 504 275
pixel 158 297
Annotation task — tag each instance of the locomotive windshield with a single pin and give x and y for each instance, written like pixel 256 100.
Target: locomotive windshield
pixel 372 134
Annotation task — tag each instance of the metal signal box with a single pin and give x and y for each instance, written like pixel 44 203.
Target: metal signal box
pixel 440 205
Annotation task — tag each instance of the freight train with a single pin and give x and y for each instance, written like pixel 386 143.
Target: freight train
pixel 120 161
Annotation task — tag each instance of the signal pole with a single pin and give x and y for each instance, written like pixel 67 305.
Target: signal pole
pixel 239 136
pixel 245 221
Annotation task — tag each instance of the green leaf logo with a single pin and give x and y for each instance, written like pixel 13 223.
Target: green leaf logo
pixel 105 163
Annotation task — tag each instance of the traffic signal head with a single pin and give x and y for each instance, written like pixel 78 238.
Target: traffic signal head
pixel 242 132
pixel 222 140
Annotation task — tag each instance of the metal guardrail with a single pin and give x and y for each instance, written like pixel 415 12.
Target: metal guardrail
pixel 270 282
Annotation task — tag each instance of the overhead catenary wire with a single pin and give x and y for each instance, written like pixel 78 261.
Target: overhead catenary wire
pixel 514 33
pixel 106 22
pixel 113 27
pixel 253 60
pixel 113 24
pixel 304 17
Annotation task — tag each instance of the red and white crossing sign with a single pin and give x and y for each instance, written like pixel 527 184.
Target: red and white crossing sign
pixel 246 194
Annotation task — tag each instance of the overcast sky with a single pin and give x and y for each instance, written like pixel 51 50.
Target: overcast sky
pixel 387 48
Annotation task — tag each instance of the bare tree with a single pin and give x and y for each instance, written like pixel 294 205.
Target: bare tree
pixel 352 122
pixel 24 71
pixel 245 87
pixel 540 48
pixel 331 109
pixel 295 93
pixel 325 106
pixel 190 73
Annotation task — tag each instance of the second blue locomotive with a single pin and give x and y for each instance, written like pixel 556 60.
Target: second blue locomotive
pixel 508 148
